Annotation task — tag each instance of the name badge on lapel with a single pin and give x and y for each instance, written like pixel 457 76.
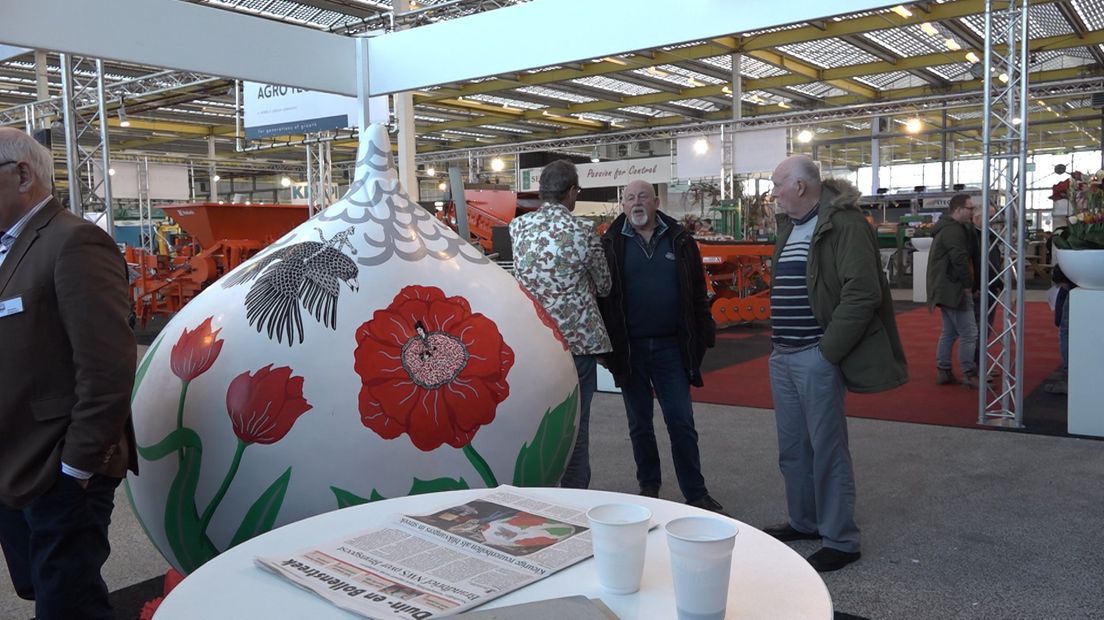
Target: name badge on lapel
pixel 11 306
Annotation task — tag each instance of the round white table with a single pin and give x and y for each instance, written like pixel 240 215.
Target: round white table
pixel 769 580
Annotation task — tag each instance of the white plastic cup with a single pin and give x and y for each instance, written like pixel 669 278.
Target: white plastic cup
pixel 619 533
pixel 701 561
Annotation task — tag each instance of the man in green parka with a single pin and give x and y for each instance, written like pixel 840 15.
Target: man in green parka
pixel 950 287
pixel 833 330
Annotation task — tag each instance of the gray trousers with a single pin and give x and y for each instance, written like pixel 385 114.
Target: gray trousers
pixel 813 455
pixel 958 323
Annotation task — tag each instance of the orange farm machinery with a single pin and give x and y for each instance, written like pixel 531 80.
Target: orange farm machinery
pixel 218 238
pixel 737 278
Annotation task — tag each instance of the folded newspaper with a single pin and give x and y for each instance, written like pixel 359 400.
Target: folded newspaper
pixel 442 563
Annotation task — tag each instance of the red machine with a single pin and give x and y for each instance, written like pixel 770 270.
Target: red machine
pixel 219 238
pixel 488 209
pixel 737 277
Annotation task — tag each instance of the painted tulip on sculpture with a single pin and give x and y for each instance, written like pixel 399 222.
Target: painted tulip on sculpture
pixel 369 353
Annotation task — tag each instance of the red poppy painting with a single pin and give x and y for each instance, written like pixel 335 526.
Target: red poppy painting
pixel 430 368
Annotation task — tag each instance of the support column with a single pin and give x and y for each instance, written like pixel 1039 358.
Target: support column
pixel 404 114
pixel 944 162
pixel 211 173
pixel 42 86
pixel 875 154
pixel 737 88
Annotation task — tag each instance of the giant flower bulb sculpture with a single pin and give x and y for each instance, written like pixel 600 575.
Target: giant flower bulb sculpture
pixel 369 353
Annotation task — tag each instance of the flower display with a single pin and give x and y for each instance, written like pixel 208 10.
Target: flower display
pixel 264 406
pixel 195 351
pixel 1085 228
pixel 430 368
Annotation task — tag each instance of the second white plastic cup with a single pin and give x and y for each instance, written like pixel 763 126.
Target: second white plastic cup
pixel 619 533
pixel 701 561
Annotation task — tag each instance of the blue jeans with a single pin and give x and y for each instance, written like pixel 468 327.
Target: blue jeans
pixel 656 364
pixel 958 323
pixel 577 473
pixel 813 453
pixel 56 546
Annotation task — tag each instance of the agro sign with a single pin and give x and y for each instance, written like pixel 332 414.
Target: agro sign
pixel 275 110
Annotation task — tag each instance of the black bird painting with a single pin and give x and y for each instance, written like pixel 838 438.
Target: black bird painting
pixel 307 274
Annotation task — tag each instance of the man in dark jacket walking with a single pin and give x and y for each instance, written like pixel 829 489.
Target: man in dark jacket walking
pixel 833 329
pixel 657 316
pixel 950 287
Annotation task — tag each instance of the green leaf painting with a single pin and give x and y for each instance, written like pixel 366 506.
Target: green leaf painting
pixel 182 524
pixel 346 499
pixel 541 463
pixel 262 514
pixel 144 366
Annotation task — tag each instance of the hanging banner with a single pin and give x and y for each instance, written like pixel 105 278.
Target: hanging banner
pixel 274 110
pixel 607 173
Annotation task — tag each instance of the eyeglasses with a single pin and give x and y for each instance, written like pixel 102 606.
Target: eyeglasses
pixel 10 161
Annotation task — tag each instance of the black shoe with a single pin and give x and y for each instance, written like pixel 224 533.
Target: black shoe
pixel 649 490
pixel 708 503
pixel 786 533
pixel 827 560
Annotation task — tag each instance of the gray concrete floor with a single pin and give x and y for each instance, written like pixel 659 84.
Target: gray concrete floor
pixel 956 523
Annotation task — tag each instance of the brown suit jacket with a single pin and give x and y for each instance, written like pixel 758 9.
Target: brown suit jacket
pixel 67 360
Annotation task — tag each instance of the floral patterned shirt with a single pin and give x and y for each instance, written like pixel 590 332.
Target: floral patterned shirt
pixel 559 259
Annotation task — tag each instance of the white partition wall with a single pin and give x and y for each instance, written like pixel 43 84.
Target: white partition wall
pixel 1086 358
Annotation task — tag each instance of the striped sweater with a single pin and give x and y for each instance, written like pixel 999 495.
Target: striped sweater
pixel 792 319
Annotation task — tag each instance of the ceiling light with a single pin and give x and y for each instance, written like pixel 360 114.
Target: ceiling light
pixel 972 57
pixel 110 172
pixel 656 71
pixel 726 90
pixel 286 182
pixel 497 164
pixel 248 202
pixel 216 178
pixel 929 29
pixel 952 44
pixel 616 61
pixel 913 125
pixel 805 136
pixel 693 82
pixel 442 186
pixel 1017 121
pixel 123 120
pixel 783 105
pixel 902 11
pixel 1003 78
pixel 701 146
pixel 431 171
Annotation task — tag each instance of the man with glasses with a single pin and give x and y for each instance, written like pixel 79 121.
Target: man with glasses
pixel 559 260
pixel 659 323
pixel 67 360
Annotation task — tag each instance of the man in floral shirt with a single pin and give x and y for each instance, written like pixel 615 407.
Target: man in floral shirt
pixel 559 259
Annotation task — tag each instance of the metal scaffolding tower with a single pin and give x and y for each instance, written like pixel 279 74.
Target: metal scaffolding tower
pixel 1004 188
pixel 320 186
pixel 86 142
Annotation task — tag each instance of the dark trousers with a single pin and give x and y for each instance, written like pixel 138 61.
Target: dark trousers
pixel 56 546
pixel 657 365
pixel 577 473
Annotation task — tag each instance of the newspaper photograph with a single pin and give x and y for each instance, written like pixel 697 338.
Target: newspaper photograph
pixel 444 562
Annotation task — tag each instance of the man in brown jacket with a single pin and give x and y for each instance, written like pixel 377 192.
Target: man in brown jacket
pixel 67 359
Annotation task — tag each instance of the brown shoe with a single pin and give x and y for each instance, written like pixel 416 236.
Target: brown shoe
pixel 944 376
pixel 970 380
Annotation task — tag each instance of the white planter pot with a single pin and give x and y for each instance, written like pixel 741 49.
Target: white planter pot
pixel 922 244
pixel 1085 268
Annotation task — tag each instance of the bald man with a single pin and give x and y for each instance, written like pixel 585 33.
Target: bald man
pixel 67 360
pixel 833 329
pixel 658 320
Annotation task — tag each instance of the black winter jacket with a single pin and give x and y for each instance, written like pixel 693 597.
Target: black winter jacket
pixel 697 331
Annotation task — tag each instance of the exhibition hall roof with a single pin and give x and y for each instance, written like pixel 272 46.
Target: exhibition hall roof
pixel 918 61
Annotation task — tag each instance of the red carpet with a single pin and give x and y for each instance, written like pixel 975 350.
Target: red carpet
pixel 747 384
